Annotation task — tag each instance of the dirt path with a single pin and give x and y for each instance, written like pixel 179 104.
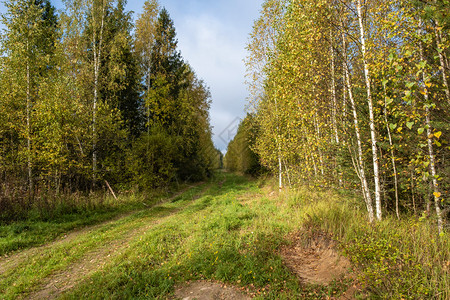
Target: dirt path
pixel 95 260
pixel 12 261
pixel 317 263
pixel 91 262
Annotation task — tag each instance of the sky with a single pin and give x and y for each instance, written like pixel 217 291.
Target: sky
pixel 212 35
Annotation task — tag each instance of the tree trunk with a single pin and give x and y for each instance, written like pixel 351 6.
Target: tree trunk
pixel 29 159
pixel 97 62
pixel 436 193
pixel 442 62
pixel 371 115
pixel 280 170
pixel 146 100
pixel 360 164
pixel 394 166
pixel 333 92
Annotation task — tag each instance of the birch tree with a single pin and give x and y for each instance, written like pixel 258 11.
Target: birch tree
pixel 27 48
pixel 145 38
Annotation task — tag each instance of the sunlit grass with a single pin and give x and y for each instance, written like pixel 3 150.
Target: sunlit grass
pixel 233 232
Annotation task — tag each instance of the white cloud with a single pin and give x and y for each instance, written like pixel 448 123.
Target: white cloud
pixel 215 48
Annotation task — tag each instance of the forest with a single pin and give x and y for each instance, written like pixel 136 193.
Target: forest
pixel 335 185
pixel 89 99
pixel 352 95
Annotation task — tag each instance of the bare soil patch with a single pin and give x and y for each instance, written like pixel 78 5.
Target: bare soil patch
pixel 315 263
pixel 205 290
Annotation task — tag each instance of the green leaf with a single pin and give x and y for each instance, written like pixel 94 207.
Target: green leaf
pixel 391 56
pixel 420 130
pixel 409 124
pixel 410 84
pixel 392 126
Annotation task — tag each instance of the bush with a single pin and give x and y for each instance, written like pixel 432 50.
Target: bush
pixel 151 159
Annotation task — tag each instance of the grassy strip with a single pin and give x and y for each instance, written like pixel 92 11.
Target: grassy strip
pixel 231 234
pixel 37 265
pixel 38 230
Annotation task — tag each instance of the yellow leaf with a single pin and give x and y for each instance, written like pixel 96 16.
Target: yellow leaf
pixel 437 194
pixel 438 134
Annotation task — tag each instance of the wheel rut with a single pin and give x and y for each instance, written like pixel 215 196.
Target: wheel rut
pixel 92 261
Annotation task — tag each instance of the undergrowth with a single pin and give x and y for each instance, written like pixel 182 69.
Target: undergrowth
pixel 394 259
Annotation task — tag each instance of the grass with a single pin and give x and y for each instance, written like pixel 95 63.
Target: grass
pixel 70 213
pixel 404 259
pixel 232 233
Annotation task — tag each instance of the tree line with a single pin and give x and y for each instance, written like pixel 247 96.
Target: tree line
pixel 87 97
pixel 355 95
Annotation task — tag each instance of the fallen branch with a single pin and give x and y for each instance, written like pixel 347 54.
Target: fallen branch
pixel 110 189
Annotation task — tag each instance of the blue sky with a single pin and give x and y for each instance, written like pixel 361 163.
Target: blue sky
pixel 212 36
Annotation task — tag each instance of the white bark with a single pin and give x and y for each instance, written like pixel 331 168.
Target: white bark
pixel 319 150
pixel 333 91
pixel 97 60
pixel 360 164
pixel 394 166
pixel 432 165
pixel 441 59
pixel 280 170
pixel 371 115
pixel 28 108
pixel 442 62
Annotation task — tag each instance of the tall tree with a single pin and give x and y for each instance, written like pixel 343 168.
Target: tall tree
pixel 28 50
pixel 145 36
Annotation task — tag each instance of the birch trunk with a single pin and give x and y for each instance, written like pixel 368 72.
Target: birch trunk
pixel 97 61
pixel 432 165
pixel 317 129
pixel 344 94
pixel 146 100
pixel 441 59
pixel 360 164
pixel 371 115
pixel 394 166
pixel 28 108
pixel 280 170
pixel 333 92
pixel 442 62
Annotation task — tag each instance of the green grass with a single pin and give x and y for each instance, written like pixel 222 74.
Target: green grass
pixel 37 265
pixel 217 237
pixel 233 234
pixel 404 259
pixel 42 227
